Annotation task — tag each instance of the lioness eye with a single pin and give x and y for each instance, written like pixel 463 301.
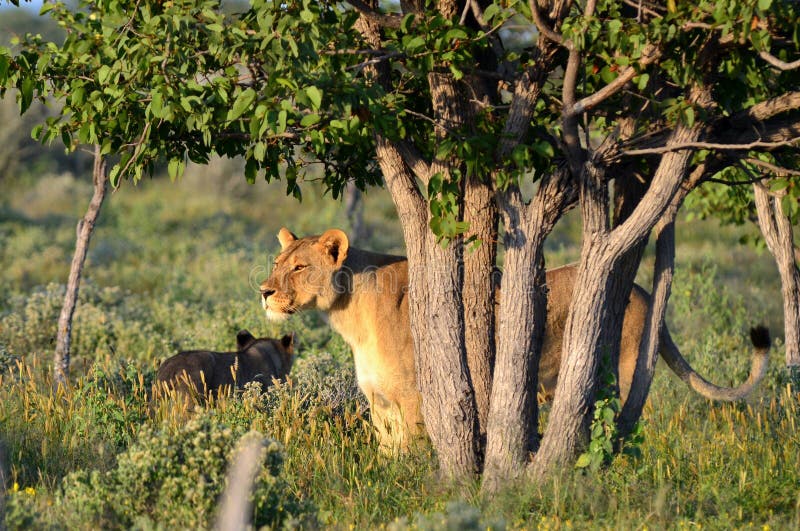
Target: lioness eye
pixel 299 267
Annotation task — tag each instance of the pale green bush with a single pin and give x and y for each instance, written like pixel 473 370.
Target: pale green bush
pixel 172 477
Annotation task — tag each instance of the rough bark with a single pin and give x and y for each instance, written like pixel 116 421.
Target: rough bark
pixel 480 212
pixel 85 228
pixel 567 431
pixel 448 398
pixel 777 230
pixel 512 430
pixel 435 279
pixel 513 421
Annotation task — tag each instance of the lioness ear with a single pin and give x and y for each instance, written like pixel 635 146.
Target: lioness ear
pixel 285 238
pixel 335 244
pixel 244 338
pixel 288 343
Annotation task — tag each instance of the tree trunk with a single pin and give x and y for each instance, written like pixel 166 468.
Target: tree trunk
pixel 354 209
pixel 84 234
pixel 448 405
pixel 567 431
pixel 663 270
pixel 480 212
pixel 448 398
pixel 513 420
pixel 777 230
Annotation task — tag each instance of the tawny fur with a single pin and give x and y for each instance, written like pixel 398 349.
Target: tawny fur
pixel 364 295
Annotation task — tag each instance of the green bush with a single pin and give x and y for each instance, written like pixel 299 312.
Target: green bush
pixel 172 477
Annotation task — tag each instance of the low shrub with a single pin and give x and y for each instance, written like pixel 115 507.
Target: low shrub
pixel 172 477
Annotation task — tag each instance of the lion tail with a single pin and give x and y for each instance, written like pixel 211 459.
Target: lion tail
pixel 758 368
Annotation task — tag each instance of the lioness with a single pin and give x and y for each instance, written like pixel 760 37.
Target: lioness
pixel 197 373
pixel 364 295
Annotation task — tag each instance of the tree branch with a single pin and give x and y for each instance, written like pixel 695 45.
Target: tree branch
pixel 541 25
pixel 767 109
pixel 708 145
pixel 384 20
pixel 777 63
pixel 649 55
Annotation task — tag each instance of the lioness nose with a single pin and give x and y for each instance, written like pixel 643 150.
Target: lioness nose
pixel 266 293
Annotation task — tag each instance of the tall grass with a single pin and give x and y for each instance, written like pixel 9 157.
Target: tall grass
pixel 173 266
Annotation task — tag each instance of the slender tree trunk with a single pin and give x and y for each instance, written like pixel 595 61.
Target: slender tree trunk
pixel 663 270
pixel 480 212
pixel 354 208
pixel 777 230
pixel 513 419
pixel 84 234
pixel 654 324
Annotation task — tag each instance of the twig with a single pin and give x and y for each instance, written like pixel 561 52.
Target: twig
pixel 136 149
pixel 777 170
pixel 777 63
pixel 431 120
pixel 376 60
pixel 708 145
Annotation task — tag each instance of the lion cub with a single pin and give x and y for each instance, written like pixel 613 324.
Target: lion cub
pixel 197 373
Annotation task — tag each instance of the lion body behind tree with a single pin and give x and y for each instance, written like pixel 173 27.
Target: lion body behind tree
pixel 365 297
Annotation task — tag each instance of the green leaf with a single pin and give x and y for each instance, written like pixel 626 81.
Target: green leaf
pixel 408 20
pixel 764 5
pixel 583 461
pixel 241 104
pixel 309 119
pixel 306 16
pixel 175 168
pixel 315 95
pixel 281 121
pixel 26 94
pixel 688 114
pixel 490 12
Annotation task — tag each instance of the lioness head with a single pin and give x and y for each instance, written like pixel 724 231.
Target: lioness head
pixel 278 353
pixel 305 273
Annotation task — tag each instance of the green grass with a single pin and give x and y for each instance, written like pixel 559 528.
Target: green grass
pixel 175 266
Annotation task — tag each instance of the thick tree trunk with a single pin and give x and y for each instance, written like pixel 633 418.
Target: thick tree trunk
pixel 84 233
pixel 777 230
pixel 435 311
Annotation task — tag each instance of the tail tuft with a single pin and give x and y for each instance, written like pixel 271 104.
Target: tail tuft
pixel 759 335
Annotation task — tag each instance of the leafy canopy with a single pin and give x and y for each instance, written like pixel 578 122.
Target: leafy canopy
pixel 290 84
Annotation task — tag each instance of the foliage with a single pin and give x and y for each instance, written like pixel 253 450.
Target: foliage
pixel 603 433
pixel 172 476
pixel 169 82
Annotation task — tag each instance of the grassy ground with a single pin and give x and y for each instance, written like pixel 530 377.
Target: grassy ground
pixel 176 266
